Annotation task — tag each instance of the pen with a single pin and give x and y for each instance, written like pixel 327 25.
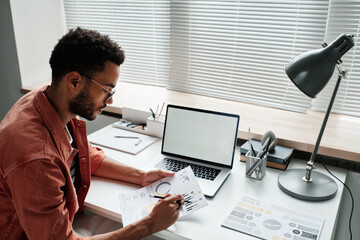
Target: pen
pixel 138 142
pixel 161 110
pixel 251 148
pixel 126 137
pixel 264 148
pixel 130 137
pixel 161 197
pixel 260 155
pixel 152 113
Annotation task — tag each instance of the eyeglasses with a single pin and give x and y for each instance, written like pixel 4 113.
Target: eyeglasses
pixel 110 93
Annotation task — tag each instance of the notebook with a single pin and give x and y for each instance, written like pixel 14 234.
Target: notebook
pixel 203 139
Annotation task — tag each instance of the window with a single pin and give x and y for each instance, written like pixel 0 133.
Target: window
pixel 344 17
pixel 237 49
pixel 142 28
pixel 228 49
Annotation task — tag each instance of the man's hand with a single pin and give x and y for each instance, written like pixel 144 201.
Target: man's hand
pixel 166 212
pixel 154 175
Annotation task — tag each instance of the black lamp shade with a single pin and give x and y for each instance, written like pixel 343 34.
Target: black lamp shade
pixel 311 71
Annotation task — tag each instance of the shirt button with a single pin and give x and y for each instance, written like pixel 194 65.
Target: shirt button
pixel 85 186
pixel 83 159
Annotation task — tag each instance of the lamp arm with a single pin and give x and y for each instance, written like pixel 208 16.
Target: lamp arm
pixel 310 164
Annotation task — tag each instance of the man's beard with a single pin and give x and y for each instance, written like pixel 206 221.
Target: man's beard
pixel 81 105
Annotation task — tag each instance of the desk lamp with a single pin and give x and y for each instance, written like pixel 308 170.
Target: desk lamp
pixel 310 72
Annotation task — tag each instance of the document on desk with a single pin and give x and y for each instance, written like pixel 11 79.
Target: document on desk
pixel 122 140
pixel 268 221
pixel 138 204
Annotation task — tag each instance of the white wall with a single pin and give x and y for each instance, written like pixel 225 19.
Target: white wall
pixel 38 25
pixel 10 81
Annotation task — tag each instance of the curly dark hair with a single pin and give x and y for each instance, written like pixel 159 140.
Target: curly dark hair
pixel 84 51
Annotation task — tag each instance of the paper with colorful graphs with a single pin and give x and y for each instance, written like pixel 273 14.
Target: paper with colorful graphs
pixel 269 221
pixel 138 204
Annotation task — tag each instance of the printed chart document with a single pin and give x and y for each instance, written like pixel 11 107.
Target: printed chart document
pixel 137 204
pixel 268 221
pixel 122 140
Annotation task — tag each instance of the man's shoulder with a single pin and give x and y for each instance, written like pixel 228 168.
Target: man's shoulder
pixel 24 135
pixel 22 119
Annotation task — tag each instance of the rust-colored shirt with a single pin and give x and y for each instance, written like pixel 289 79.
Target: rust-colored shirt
pixel 37 197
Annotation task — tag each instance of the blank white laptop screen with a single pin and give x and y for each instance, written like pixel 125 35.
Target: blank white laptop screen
pixel 200 134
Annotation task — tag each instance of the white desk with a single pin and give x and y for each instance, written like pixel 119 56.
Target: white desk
pixel 206 223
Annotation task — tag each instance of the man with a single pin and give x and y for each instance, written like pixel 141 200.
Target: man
pixel 45 158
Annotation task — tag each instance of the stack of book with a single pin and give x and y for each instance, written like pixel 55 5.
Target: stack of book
pixel 278 158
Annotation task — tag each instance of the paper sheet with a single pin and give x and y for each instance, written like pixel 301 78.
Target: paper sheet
pixel 268 221
pixel 138 204
pixel 111 138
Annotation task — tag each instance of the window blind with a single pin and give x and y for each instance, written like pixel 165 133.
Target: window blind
pixel 227 49
pixel 237 49
pixel 142 28
pixel 344 17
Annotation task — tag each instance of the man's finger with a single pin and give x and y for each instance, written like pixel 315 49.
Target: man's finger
pixel 179 203
pixel 173 198
pixel 166 173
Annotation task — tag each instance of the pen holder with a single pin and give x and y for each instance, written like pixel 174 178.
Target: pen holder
pixel 255 166
pixel 155 127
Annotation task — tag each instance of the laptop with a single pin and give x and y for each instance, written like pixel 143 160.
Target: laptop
pixel 202 139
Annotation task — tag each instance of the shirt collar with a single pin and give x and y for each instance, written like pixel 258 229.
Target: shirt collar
pixel 52 122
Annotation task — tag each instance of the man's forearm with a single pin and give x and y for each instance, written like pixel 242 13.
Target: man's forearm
pixel 112 169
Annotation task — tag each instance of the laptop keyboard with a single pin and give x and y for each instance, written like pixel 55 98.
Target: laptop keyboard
pixel 199 171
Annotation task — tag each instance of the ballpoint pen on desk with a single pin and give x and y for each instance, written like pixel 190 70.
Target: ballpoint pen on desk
pixel 131 137
pixel 126 137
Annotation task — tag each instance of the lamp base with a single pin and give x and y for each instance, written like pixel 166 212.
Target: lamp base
pixel 320 189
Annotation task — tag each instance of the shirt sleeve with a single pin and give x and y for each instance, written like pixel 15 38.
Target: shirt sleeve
pixel 97 155
pixel 38 191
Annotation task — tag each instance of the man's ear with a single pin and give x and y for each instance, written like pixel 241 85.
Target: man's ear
pixel 74 81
